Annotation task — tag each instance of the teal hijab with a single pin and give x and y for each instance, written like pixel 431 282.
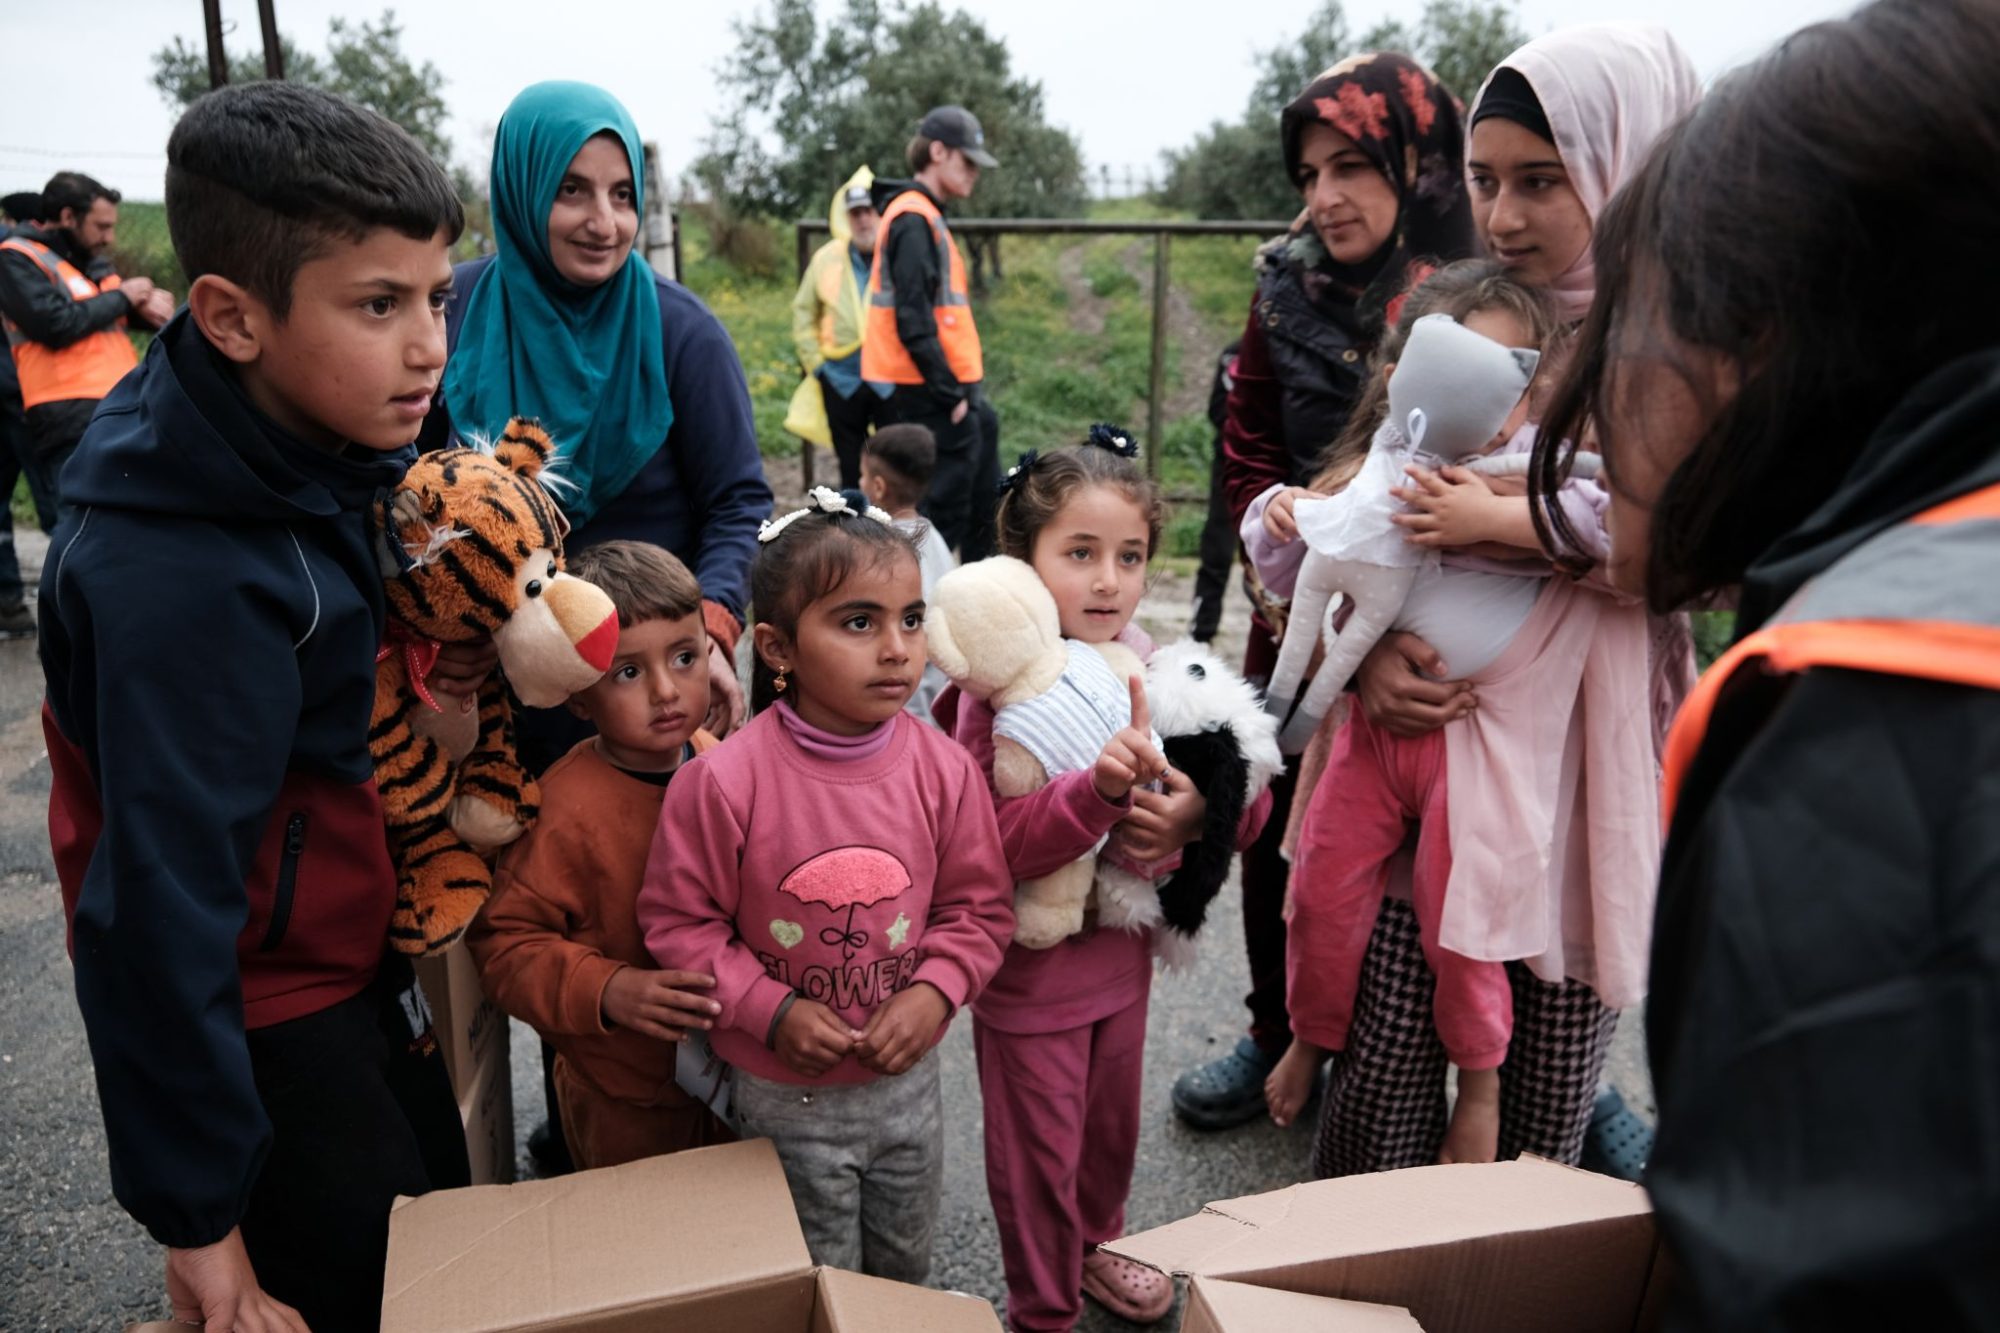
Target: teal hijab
pixel 588 361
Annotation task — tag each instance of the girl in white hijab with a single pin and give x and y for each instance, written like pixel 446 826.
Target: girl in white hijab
pixel 1556 129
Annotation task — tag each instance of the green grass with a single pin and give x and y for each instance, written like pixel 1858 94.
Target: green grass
pixel 1051 370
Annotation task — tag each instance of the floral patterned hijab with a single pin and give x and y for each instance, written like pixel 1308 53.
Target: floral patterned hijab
pixel 1409 126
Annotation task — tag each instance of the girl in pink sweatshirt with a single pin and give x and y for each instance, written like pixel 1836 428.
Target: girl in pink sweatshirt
pixel 1059 1033
pixel 836 867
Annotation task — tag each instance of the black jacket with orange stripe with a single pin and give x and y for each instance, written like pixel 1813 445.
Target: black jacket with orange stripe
pixel 210 611
pixel 1824 1023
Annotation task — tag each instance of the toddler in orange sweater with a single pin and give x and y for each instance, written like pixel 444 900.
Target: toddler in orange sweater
pixel 558 944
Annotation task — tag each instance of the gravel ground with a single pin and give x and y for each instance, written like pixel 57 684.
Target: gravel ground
pixel 71 1260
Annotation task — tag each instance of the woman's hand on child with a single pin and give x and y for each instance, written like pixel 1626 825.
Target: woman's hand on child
pixel 725 693
pixel 1452 508
pixel 1403 690
pixel 1129 759
pixel 811 1039
pixel 1162 822
pixel 1279 520
pixel 463 667
pixel 662 1004
pixel 899 1032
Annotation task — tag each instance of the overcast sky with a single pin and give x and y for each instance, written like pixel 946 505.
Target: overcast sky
pixel 1129 78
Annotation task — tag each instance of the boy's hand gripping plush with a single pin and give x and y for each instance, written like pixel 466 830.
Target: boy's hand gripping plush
pixel 470 546
pixel 994 630
pixel 1451 392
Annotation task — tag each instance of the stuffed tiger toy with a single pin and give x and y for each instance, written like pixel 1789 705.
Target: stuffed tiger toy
pixel 471 547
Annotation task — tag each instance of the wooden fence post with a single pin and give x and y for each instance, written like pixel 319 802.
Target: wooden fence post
pixel 1156 378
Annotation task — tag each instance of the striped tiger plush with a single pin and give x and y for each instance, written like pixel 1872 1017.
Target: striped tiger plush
pixel 471 547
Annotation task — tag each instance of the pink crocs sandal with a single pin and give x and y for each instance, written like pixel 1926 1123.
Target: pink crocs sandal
pixel 1130 1291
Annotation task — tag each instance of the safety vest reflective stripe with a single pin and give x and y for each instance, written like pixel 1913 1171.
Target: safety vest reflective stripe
pixel 883 356
pixel 86 368
pixel 1919 600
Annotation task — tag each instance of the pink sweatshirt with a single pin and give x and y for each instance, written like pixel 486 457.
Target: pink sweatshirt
pixel 1092 975
pixel 782 869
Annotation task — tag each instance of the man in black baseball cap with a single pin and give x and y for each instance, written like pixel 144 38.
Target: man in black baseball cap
pixel 955 127
pixel 921 340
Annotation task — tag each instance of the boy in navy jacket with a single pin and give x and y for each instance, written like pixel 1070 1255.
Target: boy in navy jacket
pixel 210 613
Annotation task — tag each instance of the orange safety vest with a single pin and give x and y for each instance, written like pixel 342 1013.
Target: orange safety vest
pixel 883 357
pixel 88 367
pixel 1920 599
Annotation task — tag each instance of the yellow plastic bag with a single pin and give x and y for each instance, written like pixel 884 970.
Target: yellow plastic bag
pixel 806 417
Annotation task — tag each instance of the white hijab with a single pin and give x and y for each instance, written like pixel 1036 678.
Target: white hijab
pixel 1609 90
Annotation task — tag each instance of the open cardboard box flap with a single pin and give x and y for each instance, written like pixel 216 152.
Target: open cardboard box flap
pixel 1526 1245
pixel 707 1236
pixel 1216 1305
pixel 648 1236
pixel 852 1302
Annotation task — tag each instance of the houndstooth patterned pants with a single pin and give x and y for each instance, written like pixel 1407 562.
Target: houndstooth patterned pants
pixel 1385 1097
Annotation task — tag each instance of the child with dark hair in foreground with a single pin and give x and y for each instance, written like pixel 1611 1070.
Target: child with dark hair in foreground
pixel 836 868
pixel 211 610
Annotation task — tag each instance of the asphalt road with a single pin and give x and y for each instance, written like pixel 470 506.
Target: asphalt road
pixel 71 1260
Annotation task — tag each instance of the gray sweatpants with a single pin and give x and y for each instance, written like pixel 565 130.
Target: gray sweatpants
pixel 865 1163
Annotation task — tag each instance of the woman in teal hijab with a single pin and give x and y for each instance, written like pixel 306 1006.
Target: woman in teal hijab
pixel 630 373
pixel 584 357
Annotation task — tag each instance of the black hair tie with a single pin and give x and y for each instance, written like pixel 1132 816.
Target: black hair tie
pixel 1115 438
pixel 1017 476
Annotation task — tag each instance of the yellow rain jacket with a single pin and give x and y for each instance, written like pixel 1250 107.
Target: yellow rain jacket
pixel 827 315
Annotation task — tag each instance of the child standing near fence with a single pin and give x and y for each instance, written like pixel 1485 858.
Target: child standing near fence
pixel 1060 1032
pixel 836 868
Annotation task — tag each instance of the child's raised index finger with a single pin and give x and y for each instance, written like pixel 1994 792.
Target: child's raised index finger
pixel 1142 716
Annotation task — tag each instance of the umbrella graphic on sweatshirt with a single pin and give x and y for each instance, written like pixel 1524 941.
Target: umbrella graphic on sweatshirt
pixel 847 878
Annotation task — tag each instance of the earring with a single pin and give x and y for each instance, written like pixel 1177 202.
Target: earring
pixel 778 682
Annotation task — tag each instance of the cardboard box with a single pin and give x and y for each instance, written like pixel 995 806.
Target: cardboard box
pixel 487 1108
pixel 472 1034
pixel 1218 1306
pixel 1508 1247
pixel 471 1029
pixel 705 1239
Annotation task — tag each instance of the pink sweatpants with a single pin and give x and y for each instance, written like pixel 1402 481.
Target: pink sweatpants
pixel 1375 784
pixel 1062 1134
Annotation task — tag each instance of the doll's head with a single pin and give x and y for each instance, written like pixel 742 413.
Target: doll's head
pixel 1478 293
pixel 1453 388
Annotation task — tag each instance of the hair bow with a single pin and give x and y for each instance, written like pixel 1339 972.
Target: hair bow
pixel 819 500
pixel 1017 476
pixel 1115 438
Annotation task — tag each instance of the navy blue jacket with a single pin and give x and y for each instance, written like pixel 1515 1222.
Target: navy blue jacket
pixel 703 495
pixel 210 610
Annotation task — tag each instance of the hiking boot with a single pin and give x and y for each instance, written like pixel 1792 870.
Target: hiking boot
pixel 17 621
pixel 1227 1092
pixel 1618 1142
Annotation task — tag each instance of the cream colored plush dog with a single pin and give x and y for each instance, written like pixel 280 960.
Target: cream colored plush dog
pixel 993 629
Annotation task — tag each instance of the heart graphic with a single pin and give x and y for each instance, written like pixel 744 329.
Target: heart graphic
pixel 787 933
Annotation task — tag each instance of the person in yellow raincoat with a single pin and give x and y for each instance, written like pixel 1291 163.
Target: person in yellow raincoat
pixel 833 406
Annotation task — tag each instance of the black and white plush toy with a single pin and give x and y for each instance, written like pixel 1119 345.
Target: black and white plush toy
pixel 1215 731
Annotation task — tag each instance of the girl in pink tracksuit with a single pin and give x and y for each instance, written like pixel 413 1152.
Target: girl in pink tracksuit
pixel 1059 1032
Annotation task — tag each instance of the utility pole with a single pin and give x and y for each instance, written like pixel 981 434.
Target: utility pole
pixel 274 51
pixel 660 241
pixel 218 58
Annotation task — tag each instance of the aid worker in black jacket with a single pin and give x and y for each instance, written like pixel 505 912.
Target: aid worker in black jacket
pixel 1793 369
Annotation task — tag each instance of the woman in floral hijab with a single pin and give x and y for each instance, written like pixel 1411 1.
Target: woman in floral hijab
pixel 1376 147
